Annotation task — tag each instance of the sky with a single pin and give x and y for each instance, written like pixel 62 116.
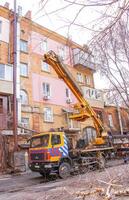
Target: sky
pixel 58 23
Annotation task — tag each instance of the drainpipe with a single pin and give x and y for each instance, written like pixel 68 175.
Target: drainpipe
pixel 119 117
pixel 15 78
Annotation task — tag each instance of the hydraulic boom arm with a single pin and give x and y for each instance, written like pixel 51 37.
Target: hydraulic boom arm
pixel 85 110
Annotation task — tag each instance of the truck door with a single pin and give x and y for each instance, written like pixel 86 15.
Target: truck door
pixel 59 146
pixel 55 145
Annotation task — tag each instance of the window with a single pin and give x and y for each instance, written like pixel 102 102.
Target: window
pixel 23 46
pixel 41 141
pixel 89 134
pixel 25 122
pixel 6 72
pixel 62 52
pixel 124 122
pixel 43 45
pixel 24 97
pixel 48 114
pixel 110 120
pixel 71 123
pixel 87 80
pixel 1 105
pixel 55 139
pixel 45 66
pixel 0 26
pixel 46 89
pixel 68 96
pixel 92 93
pixel 79 77
pixel 23 69
pixel 2 71
pixel 67 93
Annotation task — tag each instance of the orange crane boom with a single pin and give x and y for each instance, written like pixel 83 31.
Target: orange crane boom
pixel 85 111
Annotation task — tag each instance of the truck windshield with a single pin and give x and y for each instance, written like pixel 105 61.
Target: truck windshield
pixel 41 141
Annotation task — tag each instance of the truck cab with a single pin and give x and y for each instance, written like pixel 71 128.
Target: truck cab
pixel 46 152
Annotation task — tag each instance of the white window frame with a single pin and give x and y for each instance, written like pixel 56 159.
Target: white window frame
pixel 21 72
pixel 24 46
pixel 45 92
pixel 45 67
pixel 68 96
pixel 8 72
pixel 23 100
pixel 110 119
pixel 62 52
pixel 87 80
pixel 71 123
pixel 48 114
pixel 67 91
pixel 43 45
pixel 80 77
pixel 2 66
pixel 24 123
pixel 0 26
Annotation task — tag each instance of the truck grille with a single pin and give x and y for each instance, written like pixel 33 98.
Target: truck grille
pixel 37 156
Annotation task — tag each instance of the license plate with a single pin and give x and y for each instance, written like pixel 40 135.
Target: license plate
pixel 37 166
pixel 48 166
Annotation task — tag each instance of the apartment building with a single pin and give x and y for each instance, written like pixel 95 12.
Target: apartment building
pixel 117 119
pixel 44 100
pixel 6 72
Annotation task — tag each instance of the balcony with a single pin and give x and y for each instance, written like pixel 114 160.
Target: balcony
pixel 6 121
pixel 6 79
pixel 70 126
pixel 83 60
pixel 94 97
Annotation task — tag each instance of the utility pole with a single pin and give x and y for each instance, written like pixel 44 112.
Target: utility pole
pixel 15 76
pixel 119 117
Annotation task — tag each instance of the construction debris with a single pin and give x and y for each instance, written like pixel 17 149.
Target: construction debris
pixel 124 192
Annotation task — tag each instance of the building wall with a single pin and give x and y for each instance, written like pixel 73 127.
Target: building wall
pixel 58 87
pixel 34 34
pixel 6 70
pixel 113 111
pixel 4 35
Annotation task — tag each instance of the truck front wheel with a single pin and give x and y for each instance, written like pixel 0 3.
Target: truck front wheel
pixel 64 170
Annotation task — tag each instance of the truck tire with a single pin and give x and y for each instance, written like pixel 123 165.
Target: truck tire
pixel 64 170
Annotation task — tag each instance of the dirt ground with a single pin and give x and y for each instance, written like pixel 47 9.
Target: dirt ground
pixel 112 183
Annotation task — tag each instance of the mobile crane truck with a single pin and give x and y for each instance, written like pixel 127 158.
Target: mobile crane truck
pixel 50 152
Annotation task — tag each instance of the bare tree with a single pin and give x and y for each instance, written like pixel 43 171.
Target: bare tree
pixel 108 12
pixel 109 41
pixel 112 53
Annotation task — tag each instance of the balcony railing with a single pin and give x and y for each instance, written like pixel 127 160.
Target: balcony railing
pixel 94 96
pixel 6 122
pixel 92 93
pixel 71 125
pixel 83 59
